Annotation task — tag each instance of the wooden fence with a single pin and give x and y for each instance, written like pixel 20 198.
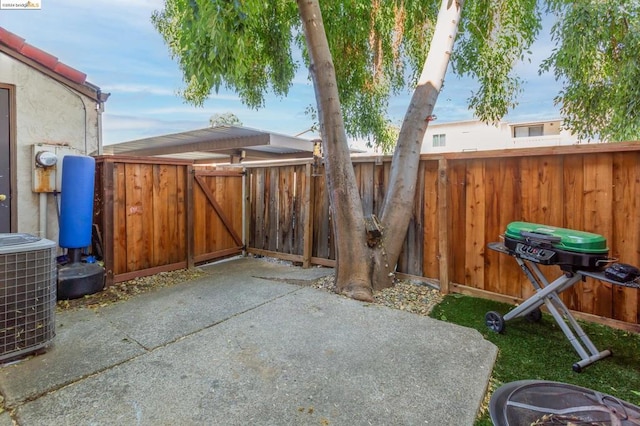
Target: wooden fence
pixel 463 202
pixel 153 215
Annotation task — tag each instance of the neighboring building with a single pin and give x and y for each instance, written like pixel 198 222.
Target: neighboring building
pixel 45 105
pixel 475 135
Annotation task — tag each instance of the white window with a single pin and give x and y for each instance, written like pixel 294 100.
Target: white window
pixel 528 131
pixel 439 140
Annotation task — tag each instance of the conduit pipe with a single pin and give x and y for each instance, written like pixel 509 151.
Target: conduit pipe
pixel 42 213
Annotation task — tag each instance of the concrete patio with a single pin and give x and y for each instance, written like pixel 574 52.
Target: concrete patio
pixel 241 346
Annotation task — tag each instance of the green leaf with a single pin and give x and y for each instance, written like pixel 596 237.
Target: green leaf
pixel 379 48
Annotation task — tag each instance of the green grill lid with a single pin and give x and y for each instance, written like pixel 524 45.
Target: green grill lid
pixel 562 238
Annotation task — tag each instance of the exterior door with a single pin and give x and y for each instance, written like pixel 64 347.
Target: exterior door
pixel 5 160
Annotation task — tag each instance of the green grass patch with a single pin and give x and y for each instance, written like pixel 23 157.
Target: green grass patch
pixel 540 351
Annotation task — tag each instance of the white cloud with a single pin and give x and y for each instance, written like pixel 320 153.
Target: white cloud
pixel 138 88
pixel 136 13
pixel 121 128
pixel 189 109
pixel 122 122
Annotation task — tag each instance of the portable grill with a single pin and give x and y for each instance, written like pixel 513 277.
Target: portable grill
pixel 578 254
pixel 547 245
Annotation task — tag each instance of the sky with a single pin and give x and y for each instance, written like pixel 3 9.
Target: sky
pixel 115 44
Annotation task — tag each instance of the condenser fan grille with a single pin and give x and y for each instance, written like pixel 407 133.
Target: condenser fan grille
pixel 27 297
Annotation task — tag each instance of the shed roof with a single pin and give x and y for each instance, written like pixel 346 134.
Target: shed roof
pixel 217 144
pixel 16 47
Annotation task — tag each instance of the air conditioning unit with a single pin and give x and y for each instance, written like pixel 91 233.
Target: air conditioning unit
pixel 27 294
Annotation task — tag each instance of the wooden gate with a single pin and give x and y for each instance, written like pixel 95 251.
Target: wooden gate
pixel 153 215
pixel 217 214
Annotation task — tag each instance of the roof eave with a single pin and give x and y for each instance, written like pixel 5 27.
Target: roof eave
pixel 90 90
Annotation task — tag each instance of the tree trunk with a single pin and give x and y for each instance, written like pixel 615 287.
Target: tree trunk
pixel 353 270
pixel 359 268
pixel 398 205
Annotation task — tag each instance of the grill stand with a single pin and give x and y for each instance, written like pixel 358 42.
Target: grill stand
pixel 547 294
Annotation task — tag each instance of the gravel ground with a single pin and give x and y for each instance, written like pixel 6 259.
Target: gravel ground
pixel 404 295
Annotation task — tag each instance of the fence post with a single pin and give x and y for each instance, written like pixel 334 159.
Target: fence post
pixel 444 224
pixel 107 225
pixel 307 200
pixel 246 209
pixel 189 217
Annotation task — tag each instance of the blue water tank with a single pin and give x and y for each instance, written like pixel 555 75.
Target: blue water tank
pixel 76 201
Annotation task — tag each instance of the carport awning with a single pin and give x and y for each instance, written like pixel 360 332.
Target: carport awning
pixel 217 144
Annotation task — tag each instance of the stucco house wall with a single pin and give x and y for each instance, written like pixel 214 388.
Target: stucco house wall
pixel 474 135
pixel 50 110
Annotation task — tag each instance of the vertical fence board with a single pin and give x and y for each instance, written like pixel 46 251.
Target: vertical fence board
pixel 510 208
pixel 598 207
pixel 212 222
pixel 530 186
pixel 321 222
pixel 286 210
pixel 550 200
pixel 139 216
pixel 573 186
pixel 443 196
pixel 231 203
pixel 475 215
pixel 165 224
pixel 147 217
pixel 411 257
pixel 301 210
pixel 271 213
pixel 199 220
pixel 529 190
pixel 365 176
pixel 302 207
pixel 120 220
pixel 206 217
pixel 573 195
pixel 103 216
pixel 251 213
pixel 222 236
pixel 626 231
pixel 380 179
pixel 178 224
pixel 458 188
pixel 230 194
pixel 430 221
pixel 493 206
pixel 186 209
pixel 258 208
pixel 235 202
pixel 215 229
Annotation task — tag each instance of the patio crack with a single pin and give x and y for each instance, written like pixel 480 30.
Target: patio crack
pixel 294 281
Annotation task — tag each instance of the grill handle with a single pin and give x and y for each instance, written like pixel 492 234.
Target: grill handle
pixel 540 238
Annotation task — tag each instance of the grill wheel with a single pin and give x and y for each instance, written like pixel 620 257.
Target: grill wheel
pixel 494 321
pixel 534 316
